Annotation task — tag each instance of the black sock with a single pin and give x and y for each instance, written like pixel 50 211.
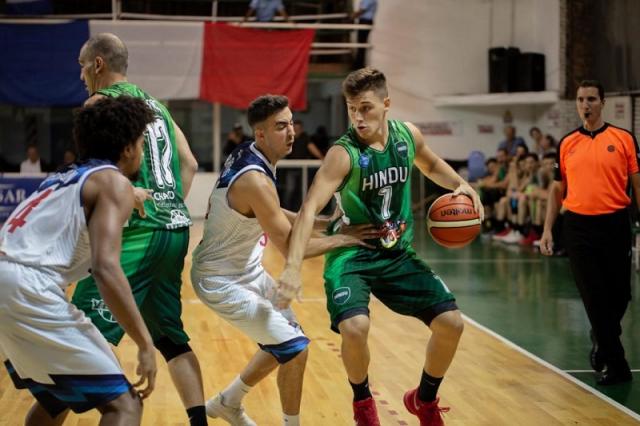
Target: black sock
pixel 361 391
pixel 538 229
pixel 428 387
pixel 197 416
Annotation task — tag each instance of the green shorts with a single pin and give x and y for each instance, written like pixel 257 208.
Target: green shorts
pixel 152 260
pixel 401 281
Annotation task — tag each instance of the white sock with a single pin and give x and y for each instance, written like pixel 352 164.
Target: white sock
pixel 291 420
pixel 234 393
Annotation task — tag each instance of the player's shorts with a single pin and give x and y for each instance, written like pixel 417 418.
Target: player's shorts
pixel 152 260
pixel 246 303
pixel 400 280
pixel 50 347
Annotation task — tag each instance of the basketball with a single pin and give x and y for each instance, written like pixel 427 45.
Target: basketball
pixel 452 222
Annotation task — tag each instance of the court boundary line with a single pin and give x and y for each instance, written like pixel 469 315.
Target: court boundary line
pixel 553 368
pixel 591 371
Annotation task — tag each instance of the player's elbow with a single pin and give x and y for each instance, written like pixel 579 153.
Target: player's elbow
pixel 104 270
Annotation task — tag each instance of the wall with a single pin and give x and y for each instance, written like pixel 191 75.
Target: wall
pixel 440 47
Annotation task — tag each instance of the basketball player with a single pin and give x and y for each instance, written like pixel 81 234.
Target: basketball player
pixel 227 271
pixel 370 169
pixel 156 239
pixel 73 222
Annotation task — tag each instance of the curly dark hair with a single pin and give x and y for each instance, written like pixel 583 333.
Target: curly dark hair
pixel 104 129
pixel 265 106
pixel 365 79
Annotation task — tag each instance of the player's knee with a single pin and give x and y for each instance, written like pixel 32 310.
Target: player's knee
pixel 448 324
pixel 355 329
pixel 169 349
pixel 286 351
pixel 127 406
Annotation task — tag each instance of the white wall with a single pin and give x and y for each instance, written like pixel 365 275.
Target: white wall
pixel 440 47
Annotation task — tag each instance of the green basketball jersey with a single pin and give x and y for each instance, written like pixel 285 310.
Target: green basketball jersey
pixel 160 169
pixel 377 189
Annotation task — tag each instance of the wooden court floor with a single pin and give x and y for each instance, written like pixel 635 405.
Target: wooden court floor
pixel 489 383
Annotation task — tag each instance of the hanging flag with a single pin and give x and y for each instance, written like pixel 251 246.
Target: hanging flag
pixel 165 57
pixel 240 64
pixel 39 64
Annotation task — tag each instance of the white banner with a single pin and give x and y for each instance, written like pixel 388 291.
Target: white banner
pixel 165 58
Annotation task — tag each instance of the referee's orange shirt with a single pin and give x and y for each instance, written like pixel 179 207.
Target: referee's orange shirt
pixel 596 167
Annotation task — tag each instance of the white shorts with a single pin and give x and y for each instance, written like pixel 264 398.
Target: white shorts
pixel 49 343
pixel 246 303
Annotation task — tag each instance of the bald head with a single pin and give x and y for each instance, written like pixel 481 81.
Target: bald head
pixel 110 48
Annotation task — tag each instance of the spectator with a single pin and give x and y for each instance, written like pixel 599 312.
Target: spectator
pixel 235 137
pixel 32 164
pixel 265 10
pixel 548 145
pixel 300 149
pixel 537 137
pixel 538 196
pixel 365 14
pixel 319 143
pixel 511 141
pixel 291 178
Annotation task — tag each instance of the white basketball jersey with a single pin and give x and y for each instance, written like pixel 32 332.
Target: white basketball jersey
pixel 232 243
pixel 48 230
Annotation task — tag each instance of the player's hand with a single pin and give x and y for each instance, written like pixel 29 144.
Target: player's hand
pixel 354 235
pixel 546 243
pixel 466 189
pixel 147 371
pixel 289 287
pixel 140 195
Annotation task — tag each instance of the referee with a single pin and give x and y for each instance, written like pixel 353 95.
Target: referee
pixel 594 166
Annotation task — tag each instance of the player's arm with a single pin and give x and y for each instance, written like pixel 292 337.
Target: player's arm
pixel 188 163
pixel 319 224
pixel 254 194
pixel 436 169
pixel 329 177
pixel 108 200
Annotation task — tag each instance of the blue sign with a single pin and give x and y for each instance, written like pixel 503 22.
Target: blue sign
pixel 14 190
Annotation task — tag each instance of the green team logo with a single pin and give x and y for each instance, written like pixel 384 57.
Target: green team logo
pixel 101 308
pixel 341 295
pixel 402 149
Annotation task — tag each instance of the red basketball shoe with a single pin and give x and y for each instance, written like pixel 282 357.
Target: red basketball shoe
pixel 428 412
pixel 365 413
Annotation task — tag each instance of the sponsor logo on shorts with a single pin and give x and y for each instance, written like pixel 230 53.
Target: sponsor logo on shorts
pixel 341 295
pixel 102 310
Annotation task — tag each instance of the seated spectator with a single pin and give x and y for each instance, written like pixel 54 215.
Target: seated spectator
pixel 538 196
pixel 511 141
pixel 319 143
pixel 32 163
pixel 508 207
pixel 265 10
pixel 536 136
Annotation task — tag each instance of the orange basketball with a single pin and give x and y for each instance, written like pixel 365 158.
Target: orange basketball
pixel 452 221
